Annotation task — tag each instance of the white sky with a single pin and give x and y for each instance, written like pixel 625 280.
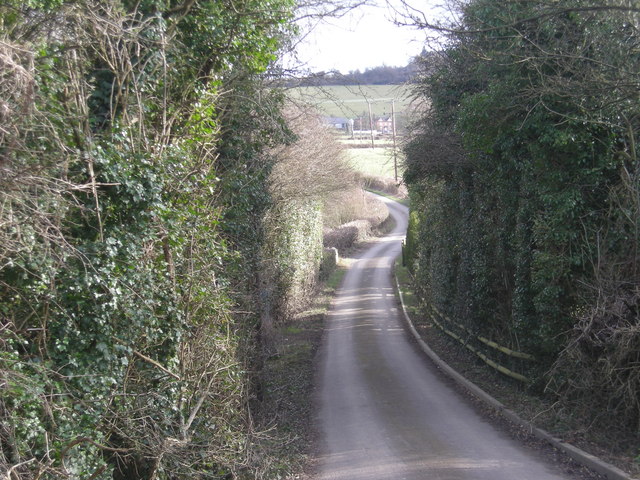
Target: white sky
pixel 364 38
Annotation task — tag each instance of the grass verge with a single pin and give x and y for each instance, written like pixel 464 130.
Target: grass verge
pixel 284 415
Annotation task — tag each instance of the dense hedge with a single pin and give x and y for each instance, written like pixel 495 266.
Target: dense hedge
pixel 292 256
pixel 524 176
pixel 137 142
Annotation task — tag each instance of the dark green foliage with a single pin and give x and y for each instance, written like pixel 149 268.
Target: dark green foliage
pixel 292 256
pixel 531 130
pixel 133 171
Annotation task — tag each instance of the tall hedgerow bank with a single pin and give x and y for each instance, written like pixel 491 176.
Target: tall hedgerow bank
pixel 137 141
pixel 524 174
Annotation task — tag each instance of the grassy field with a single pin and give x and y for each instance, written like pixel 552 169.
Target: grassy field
pixel 351 100
pixel 372 161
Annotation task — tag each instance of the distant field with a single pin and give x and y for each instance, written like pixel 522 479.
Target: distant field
pixel 351 100
pixel 373 161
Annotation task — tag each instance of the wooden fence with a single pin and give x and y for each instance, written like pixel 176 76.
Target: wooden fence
pixel 467 338
pixel 477 343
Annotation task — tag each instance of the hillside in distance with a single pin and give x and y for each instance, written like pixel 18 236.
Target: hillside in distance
pixel 351 101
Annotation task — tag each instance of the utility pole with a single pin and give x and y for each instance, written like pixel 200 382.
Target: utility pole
pixel 393 131
pixel 371 123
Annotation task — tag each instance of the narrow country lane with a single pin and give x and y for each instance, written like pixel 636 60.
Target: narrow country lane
pixel 383 412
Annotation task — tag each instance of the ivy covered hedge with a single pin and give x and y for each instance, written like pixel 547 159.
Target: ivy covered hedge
pixel 137 141
pixel 523 175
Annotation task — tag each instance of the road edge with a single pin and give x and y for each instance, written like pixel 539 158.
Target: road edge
pixel 609 471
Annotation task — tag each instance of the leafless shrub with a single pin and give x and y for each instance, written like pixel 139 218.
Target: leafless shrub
pixel 31 203
pixel 353 204
pixel 17 88
pixel 364 215
pixel 385 185
pixel 600 368
pixel 314 165
pixel 345 236
pixel 208 392
pixel 598 372
pixel 345 206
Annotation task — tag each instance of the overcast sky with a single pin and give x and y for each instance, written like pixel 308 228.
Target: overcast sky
pixel 365 38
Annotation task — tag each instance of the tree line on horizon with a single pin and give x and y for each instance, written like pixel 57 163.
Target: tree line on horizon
pixel 380 75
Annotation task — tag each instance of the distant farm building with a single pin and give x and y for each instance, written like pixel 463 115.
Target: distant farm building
pixel 384 124
pixel 340 123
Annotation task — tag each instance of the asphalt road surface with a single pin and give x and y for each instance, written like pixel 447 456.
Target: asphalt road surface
pixel 383 411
